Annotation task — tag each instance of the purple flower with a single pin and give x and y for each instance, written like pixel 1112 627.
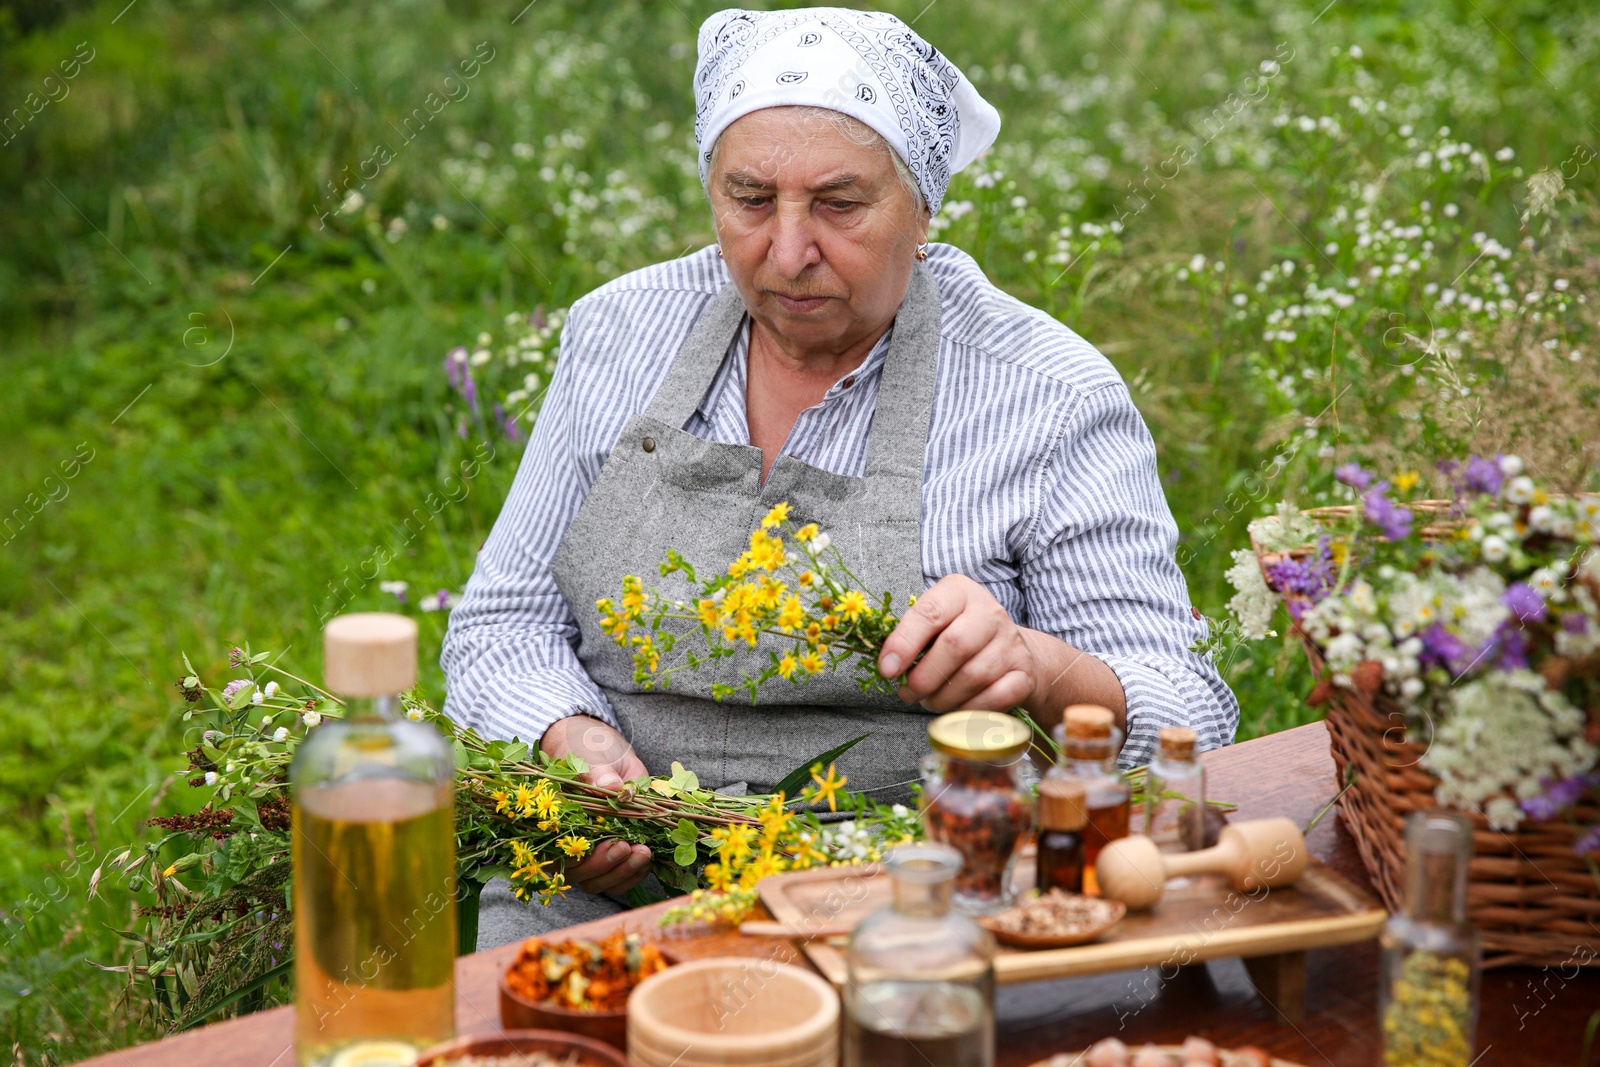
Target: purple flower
pixel 1512 647
pixel 1311 578
pixel 233 687
pixel 1442 648
pixel 1589 842
pixel 469 389
pixel 1352 474
pixel 508 423
pixel 1482 476
pixel 1575 622
pixel 1558 796
pixel 455 365
pixel 1394 521
pixel 1525 603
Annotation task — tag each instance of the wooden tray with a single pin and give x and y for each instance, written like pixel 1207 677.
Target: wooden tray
pixel 1201 920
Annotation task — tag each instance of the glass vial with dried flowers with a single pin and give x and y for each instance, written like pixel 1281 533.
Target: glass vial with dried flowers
pixel 1428 998
pixel 374 861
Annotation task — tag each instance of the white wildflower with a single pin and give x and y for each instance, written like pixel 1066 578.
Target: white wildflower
pixel 257 697
pixel 312 719
pixel 1519 490
pixel 1255 602
pixel 281 734
pixel 211 778
pixel 1510 466
pixel 1495 548
pixel 271 689
pixel 821 542
pixel 414 714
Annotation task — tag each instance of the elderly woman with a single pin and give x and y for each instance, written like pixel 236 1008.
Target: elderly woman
pixel 957 444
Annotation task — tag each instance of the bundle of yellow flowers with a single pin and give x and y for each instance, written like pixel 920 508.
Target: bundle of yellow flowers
pixel 791 581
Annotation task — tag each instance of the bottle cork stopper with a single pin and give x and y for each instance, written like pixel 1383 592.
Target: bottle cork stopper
pixel 371 654
pixel 1063 805
pixel 1089 722
pixel 1178 742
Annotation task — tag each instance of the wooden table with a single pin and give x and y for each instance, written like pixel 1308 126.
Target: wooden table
pixel 1531 1018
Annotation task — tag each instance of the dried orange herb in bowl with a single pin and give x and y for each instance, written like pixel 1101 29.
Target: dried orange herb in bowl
pixel 583 975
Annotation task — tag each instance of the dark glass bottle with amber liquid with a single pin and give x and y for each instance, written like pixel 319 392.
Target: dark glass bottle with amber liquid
pixel 1089 741
pixel 1063 817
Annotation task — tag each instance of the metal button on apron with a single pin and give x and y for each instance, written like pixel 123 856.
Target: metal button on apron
pixel 648 444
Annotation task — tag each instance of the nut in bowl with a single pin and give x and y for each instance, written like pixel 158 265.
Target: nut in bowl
pixel 577 986
pixel 1055 919
pixel 522 1048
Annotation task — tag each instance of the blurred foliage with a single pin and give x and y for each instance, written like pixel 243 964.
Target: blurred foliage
pixel 190 293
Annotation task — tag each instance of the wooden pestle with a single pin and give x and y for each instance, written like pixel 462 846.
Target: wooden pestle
pixel 1261 852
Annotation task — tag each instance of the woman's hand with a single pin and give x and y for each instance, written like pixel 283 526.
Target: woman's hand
pixel 977 657
pixel 613 866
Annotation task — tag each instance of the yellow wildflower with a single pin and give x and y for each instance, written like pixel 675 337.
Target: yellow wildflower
pixel 807 578
pixel 1406 481
pixel 718 877
pixel 524 800
pixel 812 662
pixel 763 865
pixel 792 614
pixel 573 845
pixel 502 801
pixel 807 532
pixel 853 605
pixel 734 842
pixel 778 513
pixel 632 596
pixel 830 622
pixel 786 666
pixel 827 786
pixel 775 820
pixel 814 633
pixel 554 886
pixel 710 614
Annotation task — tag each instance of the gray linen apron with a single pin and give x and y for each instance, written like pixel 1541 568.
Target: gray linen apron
pixel 663 487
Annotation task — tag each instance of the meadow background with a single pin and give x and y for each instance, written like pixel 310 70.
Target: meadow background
pixel 237 241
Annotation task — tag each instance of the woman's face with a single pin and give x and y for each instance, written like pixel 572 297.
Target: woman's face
pixel 816 228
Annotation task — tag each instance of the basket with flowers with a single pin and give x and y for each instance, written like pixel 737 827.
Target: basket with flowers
pixel 1457 646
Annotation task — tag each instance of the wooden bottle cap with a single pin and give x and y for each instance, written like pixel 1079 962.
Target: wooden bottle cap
pixel 1063 805
pixel 1088 722
pixel 1178 742
pixel 372 654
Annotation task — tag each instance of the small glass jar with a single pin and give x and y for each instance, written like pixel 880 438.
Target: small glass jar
pixel 920 991
pixel 1175 797
pixel 1428 997
pixel 975 798
pixel 1063 817
pixel 1089 741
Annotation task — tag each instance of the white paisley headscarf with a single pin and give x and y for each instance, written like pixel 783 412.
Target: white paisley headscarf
pixel 865 64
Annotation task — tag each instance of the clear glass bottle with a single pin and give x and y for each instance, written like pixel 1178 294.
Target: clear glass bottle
pixel 920 991
pixel 1175 793
pixel 1428 996
pixel 1089 742
pixel 374 861
pixel 976 799
pixel 1063 819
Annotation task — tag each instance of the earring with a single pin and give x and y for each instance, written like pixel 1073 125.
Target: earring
pixel 922 252
pixel 719 251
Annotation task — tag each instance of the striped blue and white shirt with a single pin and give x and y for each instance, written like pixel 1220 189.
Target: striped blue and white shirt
pixel 1039 481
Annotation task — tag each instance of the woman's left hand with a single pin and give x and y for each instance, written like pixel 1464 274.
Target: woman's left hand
pixel 976 656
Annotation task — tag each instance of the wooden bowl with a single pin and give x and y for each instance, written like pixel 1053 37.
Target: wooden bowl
pixel 1228 1057
pixel 586 1052
pixel 733 1011
pixel 1082 937
pixel 519 1013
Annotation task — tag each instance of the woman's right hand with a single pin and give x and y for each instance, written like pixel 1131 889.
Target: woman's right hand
pixel 613 866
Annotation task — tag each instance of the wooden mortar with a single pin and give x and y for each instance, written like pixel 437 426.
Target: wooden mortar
pixel 1261 852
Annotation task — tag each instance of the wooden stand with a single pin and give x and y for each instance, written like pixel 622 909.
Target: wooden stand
pixel 1280 979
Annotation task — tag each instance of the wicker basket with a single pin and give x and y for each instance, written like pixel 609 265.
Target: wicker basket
pixel 1534 900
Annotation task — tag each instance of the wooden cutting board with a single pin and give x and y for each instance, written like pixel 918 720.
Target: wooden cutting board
pixel 1201 920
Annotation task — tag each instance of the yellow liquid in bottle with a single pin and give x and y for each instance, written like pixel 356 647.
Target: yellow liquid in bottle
pixel 375 922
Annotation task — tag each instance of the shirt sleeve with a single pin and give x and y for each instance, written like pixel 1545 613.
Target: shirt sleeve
pixel 509 656
pixel 1103 576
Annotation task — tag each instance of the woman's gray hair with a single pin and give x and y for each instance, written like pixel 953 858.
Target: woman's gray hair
pixel 855 130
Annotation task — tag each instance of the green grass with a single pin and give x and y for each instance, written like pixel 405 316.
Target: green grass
pixel 262 397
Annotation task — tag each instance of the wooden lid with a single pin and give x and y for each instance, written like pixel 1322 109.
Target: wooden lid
pixel 985 735
pixel 1088 722
pixel 370 655
pixel 1063 804
pixel 1177 742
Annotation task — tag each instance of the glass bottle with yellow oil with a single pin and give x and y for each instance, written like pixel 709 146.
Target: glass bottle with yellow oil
pixel 374 861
